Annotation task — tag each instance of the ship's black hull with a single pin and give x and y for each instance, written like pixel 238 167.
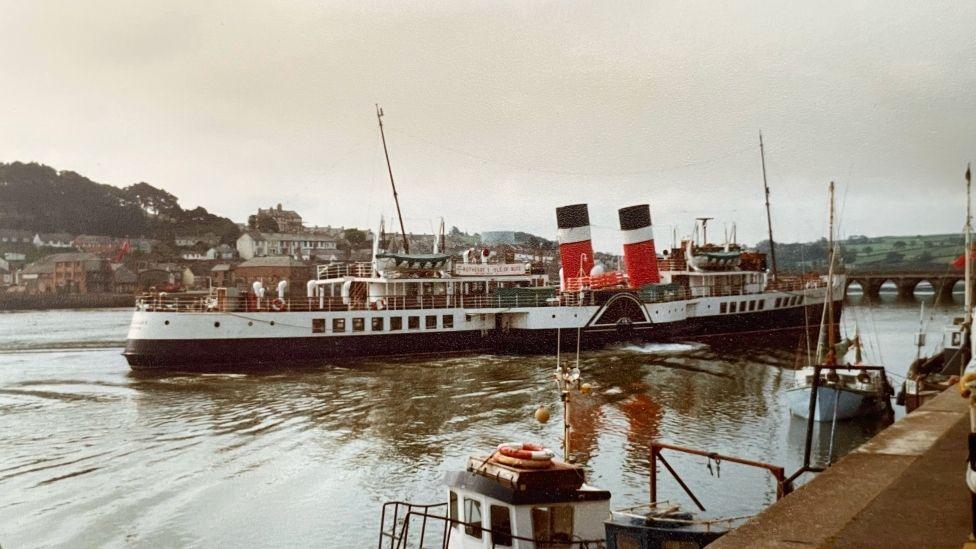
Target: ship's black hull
pixel 251 353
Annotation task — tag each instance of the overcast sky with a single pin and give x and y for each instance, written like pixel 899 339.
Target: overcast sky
pixel 499 112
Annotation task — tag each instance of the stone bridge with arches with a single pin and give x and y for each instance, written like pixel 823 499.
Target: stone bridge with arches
pixel 943 281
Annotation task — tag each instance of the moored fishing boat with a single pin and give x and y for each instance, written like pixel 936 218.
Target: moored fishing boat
pixel 930 375
pixel 831 391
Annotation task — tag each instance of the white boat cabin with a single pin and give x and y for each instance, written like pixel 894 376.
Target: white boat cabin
pixel 495 505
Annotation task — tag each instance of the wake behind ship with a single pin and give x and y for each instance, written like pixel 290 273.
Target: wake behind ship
pixel 403 304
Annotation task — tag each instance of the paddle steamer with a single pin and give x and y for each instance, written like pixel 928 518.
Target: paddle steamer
pixel 401 304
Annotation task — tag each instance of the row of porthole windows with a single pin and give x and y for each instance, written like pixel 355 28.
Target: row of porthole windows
pixel 383 324
pixel 217 323
pixel 759 304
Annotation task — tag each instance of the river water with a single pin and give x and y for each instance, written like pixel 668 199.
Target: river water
pixel 92 454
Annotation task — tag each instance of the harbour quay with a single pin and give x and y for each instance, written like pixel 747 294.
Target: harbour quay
pixel 902 488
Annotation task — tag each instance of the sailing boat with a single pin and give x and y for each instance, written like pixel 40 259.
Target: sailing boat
pixel 930 375
pixel 832 391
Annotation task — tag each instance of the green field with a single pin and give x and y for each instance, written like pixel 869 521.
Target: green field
pixel 928 249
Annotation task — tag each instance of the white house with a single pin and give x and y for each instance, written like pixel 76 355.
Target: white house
pixel 221 252
pixel 254 244
pixel 53 240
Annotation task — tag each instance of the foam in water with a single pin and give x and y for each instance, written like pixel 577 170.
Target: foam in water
pixel 667 349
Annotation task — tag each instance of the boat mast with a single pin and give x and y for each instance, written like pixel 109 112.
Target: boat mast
pixel 769 218
pixel 968 256
pixel 831 359
pixel 389 169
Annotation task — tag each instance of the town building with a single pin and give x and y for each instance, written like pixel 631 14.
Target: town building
pixel 97 244
pixel 270 270
pixel 222 275
pixel 191 255
pixel 53 240
pixel 15 236
pixel 222 252
pixel 256 244
pixel 6 275
pixel 72 273
pixel 155 278
pixel 187 241
pixel 123 279
pixel 287 221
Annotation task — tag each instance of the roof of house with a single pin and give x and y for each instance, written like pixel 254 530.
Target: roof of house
pixel 55 237
pixel 272 261
pixel 122 274
pixel 16 233
pixel 298 236
pixel 255 235
pixel 45 265
pixel 96 238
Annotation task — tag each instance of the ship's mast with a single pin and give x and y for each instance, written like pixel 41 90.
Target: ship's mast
pixel 769 218
pixel 389 169
pixel 831 359
pixel 968 255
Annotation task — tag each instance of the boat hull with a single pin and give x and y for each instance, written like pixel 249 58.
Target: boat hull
pixel 833 403
pixel 219 341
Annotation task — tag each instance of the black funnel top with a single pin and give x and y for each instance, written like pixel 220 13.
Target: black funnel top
pixel 570 217
pixel 635 217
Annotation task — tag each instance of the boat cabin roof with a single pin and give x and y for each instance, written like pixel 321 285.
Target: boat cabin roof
pixel 560 483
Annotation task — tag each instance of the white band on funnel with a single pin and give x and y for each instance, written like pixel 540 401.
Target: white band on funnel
pixel 573 234
pixel 634 236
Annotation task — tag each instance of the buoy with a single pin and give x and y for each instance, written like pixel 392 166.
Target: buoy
pixel 585 388
pixel 542 414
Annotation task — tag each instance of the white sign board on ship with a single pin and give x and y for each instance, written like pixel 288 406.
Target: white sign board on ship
pixel 490 269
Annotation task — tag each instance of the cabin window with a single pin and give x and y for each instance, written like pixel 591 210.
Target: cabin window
pixel 338 325
pixel 431 322
pixel 762 304
pixel 552 524
pixel 800 299
pixel 454 508
pixel 723 308
pixel 377 324
pixel 318 325
pixel 501 526
pixel 472 518
pixel 396 323
pixel 448 321
pixel 358 324
pixel 752 305
pixel 413 322
pixel 778 302
pixel 628 541
pixel 732 307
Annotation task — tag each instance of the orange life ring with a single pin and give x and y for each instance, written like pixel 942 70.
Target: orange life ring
pixel 278 304
pixel 521 463
pixel 525 451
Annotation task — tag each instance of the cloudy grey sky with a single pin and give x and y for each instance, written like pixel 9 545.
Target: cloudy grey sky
pixel 500 111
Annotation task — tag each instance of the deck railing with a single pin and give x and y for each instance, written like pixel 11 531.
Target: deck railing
pixel 404 525
pixel 340 270
pixel 177 302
